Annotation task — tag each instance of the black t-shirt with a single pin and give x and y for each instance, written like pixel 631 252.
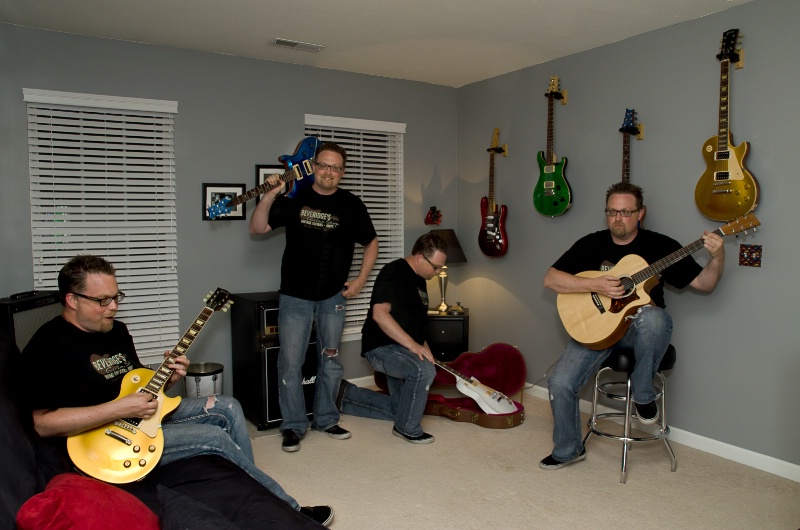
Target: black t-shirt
pixel 598 252
pixel 321 233
pixel 399 285
pixel 76 368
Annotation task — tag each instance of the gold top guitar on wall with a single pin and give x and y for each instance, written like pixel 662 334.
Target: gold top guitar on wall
pixel 727 189
pixel 127 449
pixel 597 321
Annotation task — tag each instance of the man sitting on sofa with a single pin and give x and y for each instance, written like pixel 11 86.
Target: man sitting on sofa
pixel 82 356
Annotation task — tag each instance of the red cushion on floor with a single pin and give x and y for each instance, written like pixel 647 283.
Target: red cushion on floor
pixel 73 501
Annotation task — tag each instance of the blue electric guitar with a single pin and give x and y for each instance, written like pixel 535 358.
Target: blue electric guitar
pixel 552 195
pixel 300 173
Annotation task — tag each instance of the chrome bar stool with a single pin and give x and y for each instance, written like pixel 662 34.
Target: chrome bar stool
pixel 623 360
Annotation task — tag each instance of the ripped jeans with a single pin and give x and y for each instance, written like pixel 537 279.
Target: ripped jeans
pixel 409 380
pixel 649 335
pixel 195 428
pixel 295 317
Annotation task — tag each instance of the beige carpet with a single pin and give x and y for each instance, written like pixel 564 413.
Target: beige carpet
pixel 477 478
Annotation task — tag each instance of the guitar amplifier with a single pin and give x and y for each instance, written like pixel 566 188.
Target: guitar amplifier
pixel 23 314
pixel 255 349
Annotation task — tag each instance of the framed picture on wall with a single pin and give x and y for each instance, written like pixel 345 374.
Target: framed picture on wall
pixel 264 171
pixel 217 197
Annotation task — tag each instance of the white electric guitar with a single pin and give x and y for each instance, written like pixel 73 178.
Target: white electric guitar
pixel 491 401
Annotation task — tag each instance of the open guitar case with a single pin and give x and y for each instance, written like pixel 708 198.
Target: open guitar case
pixel 499 366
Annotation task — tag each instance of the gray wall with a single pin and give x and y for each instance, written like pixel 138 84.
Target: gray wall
pixel 738 359
pixel 736 370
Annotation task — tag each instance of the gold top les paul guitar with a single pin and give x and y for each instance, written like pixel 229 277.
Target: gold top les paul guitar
pixel 726 190
pixel 597 321
pixel 129 448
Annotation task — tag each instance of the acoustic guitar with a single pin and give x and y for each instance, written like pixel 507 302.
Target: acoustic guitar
pixel 727 189
pixel 629 127
pixel 492 238
pixel 552 195
pixel 300 173
pixel 597 321
pixel 490 401
pixel 127 449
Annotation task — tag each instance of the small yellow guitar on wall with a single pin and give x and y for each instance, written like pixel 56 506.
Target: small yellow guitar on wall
pixel 726 190
pixel 129 448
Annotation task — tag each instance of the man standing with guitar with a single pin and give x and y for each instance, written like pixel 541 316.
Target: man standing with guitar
pixel 81 357
pixel 393 341
pixel 649 329
pixel 323 224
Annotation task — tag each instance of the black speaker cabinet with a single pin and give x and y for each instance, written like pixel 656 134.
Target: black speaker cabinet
pixel 24 313
pixel 254 354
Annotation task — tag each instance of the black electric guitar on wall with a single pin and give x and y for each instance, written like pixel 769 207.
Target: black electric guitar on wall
pixel 726 190
pixel 629 127
pixel 492 238
pixel 127 449
pixel 300 173
pixel 552 195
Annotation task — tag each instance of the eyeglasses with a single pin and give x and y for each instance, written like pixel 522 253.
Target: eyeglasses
pixel 119 297
pixel 323 167
pixel 623 213
pixel 435 267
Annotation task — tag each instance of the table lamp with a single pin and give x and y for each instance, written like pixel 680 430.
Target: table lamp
pixel 454 255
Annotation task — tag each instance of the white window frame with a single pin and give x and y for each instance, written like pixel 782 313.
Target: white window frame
pixel 374 174
pixel 102 181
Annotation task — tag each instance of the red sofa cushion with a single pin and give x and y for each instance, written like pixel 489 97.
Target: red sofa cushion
pixel 73 501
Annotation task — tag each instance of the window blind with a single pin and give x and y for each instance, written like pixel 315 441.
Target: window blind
pixel 374 174
pixel 102 181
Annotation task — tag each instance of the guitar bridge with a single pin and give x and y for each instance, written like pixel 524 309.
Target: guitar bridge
pixel 118 437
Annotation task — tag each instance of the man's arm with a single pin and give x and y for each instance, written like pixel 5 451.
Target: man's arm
pixel 73 420
pixel 382 314
pixel 353 287
pixel 711 273
pixel 564 282
pixel 259 221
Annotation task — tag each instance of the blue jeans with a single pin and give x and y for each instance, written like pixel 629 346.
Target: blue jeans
pixel 194 429
pixel 295 317
pixel 409 380
pixel 648 335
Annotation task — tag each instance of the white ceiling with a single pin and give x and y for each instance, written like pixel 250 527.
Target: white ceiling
pixel 443 42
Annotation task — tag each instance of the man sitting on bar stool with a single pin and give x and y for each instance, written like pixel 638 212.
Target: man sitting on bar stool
pixel 650 327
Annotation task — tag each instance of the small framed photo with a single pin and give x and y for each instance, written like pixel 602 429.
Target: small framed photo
pixel 263 171
pixel 215 202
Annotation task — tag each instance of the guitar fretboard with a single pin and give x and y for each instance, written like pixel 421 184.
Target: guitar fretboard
pixel 724 106
pixel 261 189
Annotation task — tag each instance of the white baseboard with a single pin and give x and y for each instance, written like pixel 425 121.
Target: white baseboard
pixel 729 452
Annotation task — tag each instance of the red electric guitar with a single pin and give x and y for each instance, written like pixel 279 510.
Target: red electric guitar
pixel 492 238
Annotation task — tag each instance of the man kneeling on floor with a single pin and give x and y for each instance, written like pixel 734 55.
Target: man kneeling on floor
pixel 393 341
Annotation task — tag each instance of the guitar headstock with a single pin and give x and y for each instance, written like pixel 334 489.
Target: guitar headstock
pixel 218 300
pixel 554 90
pixel 629 123
pixel 727 50
pixel 496 148
pixel 742 224
pixel 219 209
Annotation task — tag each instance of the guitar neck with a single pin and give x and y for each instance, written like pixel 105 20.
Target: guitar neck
pixel 164 372
pixel 723 134
pixel 626 157
pixel 452 371
pixel 491 182
pixel 289 176
pixel 656 268
pixel 550 157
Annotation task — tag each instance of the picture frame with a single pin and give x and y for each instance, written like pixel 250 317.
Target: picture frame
pixel 265 170
pixel 214 193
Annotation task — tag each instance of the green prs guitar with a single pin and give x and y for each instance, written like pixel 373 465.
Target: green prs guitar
pixel 552 195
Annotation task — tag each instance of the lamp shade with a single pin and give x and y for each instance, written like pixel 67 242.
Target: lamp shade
pixel 455 254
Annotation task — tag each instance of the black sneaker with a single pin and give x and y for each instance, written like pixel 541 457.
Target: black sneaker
pixel 647 412
pixel 423 438
pixel 552 463
pixel 337 432
pixel 321 514
pixel 291 441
